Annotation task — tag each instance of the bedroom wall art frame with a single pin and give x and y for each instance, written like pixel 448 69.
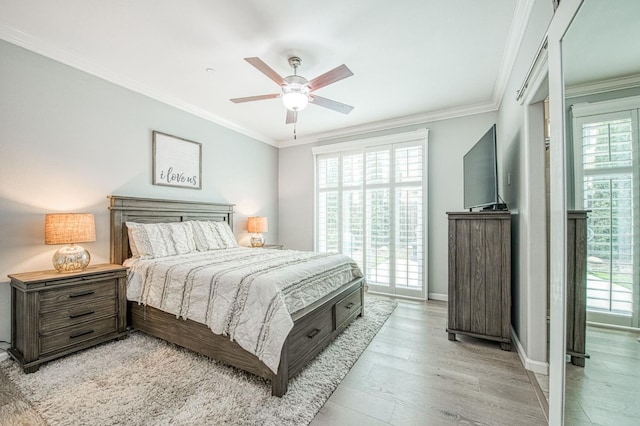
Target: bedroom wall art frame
pixel 176 161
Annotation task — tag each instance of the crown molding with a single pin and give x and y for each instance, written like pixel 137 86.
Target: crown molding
pixel 603 86
pixel 411 120
pixel 34 44
pixel 521 16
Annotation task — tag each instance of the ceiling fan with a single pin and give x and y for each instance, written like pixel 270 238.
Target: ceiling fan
pixel 297 91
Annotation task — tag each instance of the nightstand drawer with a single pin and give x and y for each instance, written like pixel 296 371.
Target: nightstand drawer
pixel 77 334
pixel 77 313
pixel 59 298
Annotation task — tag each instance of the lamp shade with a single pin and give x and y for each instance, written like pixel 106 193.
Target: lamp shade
pixel 69 228
pixel 257 224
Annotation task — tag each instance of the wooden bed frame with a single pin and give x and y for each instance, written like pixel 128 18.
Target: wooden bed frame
pixel 314 327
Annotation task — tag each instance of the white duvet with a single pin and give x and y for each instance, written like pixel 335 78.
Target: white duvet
pixel 246 294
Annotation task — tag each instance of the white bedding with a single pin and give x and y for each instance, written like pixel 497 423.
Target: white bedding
pixel 246 294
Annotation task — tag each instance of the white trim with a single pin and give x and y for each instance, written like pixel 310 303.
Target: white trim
pixel 420 119
pixel 517 30
pixel 560 22
pixel 621 83
pixel 614 327
pixel 536 77
pixel 585 109
pixel 416 135
pixel 531 365
pixel 439 296
pixel 395 296
pixel 67 57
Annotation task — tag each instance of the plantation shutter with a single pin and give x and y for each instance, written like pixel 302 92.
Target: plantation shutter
pixel 370 206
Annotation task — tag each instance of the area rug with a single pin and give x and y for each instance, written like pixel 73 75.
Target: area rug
pixel 145 381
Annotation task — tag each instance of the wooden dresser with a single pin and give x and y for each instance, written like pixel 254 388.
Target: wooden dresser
pixel 577 286
pixel 55 314
pixel 480 276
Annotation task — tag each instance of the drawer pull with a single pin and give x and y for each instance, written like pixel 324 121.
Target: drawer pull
pixel 82 293
pixel 350 305
pixel 313 333
pixel 81 314
pixel 82 333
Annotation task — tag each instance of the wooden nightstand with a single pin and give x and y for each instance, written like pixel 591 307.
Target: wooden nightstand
pixel 55 314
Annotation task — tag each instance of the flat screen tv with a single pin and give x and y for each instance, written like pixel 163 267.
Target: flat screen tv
pixel 481 174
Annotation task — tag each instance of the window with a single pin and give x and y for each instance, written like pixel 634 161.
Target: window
pixel 606 149
pixel 370 205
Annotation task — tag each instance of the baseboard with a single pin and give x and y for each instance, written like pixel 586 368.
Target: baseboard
pixel 531 365
pixel 438 296
pixel 614 327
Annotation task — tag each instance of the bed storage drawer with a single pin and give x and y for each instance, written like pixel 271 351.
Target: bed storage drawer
pixel 306 335
pixel 348 308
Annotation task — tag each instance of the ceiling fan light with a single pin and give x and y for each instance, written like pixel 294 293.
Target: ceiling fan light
pixel 295 101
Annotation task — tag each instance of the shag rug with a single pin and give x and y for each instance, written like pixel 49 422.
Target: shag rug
pixel 145 381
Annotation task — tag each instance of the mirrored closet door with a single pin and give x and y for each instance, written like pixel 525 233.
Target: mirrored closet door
pixel 600 66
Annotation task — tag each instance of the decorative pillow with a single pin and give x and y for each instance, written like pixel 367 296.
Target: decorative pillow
pixel 213 235
pixel 160 239
pixel 226 234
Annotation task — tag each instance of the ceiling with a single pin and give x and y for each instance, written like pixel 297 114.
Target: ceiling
pixel 602 44
pixel 412 60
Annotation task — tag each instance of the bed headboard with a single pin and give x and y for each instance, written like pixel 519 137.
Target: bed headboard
pixel 147 210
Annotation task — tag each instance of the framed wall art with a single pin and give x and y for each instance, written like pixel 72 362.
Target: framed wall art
pixel 176 161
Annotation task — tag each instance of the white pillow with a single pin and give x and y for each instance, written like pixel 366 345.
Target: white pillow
pixel 213 235
pixel 226 234
pixel 160 239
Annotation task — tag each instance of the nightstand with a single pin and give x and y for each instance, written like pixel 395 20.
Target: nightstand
pixel 274 246
pixel 55 314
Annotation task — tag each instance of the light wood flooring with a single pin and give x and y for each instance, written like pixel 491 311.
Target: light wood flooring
pixel 412 375
pixel 607 390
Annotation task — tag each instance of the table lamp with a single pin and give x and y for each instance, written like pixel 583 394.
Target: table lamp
pixel 257 225
pixel 69 229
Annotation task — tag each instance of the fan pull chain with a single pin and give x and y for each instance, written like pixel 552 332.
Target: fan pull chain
pixel 294 131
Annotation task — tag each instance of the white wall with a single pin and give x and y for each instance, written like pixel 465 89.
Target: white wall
pixel 68 139
pixel 449 140
pixel 528 301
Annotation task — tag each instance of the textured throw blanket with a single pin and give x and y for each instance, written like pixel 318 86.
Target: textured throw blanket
pixel 246 294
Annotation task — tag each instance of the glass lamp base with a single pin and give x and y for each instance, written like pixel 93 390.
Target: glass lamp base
pixel 257 240
pixel 71 258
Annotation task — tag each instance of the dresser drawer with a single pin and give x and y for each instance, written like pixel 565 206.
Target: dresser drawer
pixel 348 307
pixel 77 334
pixel 308 334
pixel 59 298
pixel 77 313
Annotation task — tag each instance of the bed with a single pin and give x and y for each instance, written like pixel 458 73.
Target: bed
pixel 314 326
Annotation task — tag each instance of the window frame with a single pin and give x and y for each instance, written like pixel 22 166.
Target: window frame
pixel 628 107
pixel 414 138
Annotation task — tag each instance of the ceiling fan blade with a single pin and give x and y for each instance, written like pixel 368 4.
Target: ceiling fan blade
pixel 328 103
pixel 292 117
pixel 254 98
pixel 266 70
pixel 329 77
